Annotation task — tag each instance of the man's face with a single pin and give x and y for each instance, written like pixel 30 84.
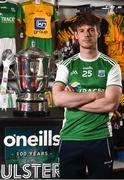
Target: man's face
pixel 87 36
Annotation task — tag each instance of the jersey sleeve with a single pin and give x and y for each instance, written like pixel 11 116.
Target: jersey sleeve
pixel 20 13
pixel 62 74
pixel 55 15
pixel 114 76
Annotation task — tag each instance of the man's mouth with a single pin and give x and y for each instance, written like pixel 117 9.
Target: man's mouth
pixel 87 40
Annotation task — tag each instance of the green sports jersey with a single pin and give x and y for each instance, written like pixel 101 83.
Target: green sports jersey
pixel 42 43
pixel 87 75
pixel 9 13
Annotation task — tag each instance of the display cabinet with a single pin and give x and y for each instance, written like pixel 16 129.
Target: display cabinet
pixel 35 140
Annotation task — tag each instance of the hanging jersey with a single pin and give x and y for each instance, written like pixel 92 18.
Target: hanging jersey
pixel 38 19
pixel 42 43
pixel 9 13
pixel 87 76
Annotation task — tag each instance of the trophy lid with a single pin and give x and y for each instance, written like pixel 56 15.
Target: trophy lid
pixel 32 52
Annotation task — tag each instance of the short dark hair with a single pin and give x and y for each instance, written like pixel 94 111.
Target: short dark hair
pixel 87 19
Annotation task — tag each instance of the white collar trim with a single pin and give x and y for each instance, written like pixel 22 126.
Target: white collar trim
pixel 90 60
pixel 4 1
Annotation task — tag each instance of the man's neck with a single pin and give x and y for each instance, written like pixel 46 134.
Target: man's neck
pixel 89 53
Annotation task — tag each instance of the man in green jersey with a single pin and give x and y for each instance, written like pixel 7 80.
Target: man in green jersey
pixel 88 85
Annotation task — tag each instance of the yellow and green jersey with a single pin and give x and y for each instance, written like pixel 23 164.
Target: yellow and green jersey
pixel 38 18
pixel 86 76
pixel 42 43
pixel 10 12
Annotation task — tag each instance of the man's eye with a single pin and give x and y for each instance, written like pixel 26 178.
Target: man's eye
pixel 91 30
pixel 82 30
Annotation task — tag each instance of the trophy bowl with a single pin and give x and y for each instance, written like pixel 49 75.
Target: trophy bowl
pixel 32 75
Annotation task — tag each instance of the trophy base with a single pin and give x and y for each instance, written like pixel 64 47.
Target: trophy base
pixel 31 108
pixel 30 114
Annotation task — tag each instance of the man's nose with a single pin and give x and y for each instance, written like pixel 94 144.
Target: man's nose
pixel 86 33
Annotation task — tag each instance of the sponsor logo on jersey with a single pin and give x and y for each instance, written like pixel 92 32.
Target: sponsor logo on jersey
pixel 7 19
pixel 74 72
pixel 3 7
pixel 75 85
pixel 92 90
pixel 13 9
pixel 40 23
pixel 89 67
pixel 101 73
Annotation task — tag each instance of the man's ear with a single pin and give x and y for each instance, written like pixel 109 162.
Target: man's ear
pixel 76 35
pixel 99 33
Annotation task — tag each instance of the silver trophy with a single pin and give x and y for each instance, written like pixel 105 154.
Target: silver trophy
pixel 32 74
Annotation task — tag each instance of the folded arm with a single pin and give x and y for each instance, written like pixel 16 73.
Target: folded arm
pixel 108 103
pixel 65 96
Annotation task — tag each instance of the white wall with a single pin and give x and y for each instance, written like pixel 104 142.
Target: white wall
pixel 82 2
pixel 67 8
pixel 93 2
pixel 68 12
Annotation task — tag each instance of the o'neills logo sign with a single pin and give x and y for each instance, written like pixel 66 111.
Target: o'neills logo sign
pixel 44 138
